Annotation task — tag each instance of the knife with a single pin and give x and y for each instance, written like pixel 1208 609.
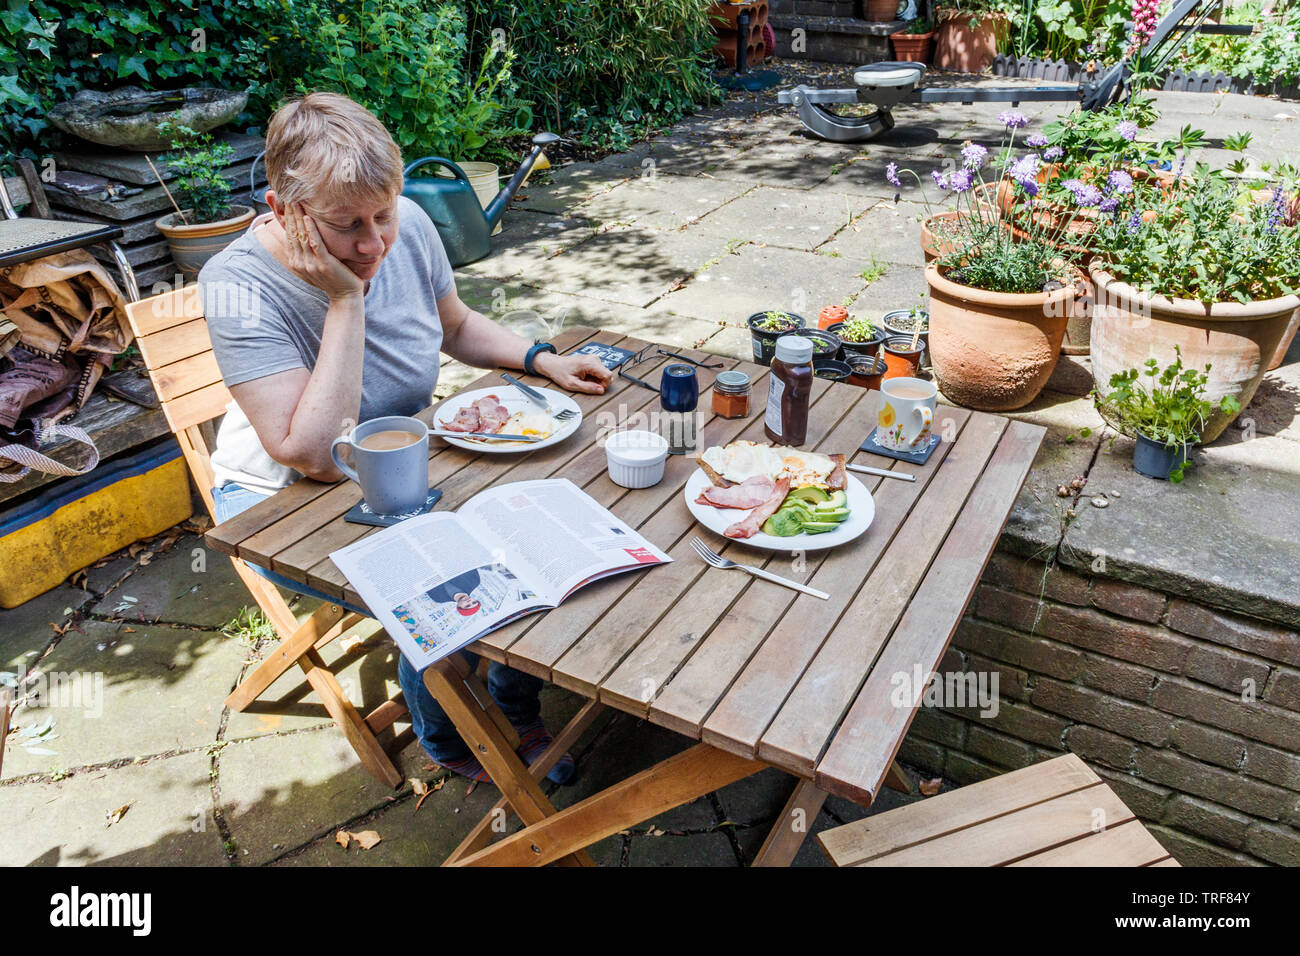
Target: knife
pixel 450 434
pixel 883 473
pixel 534 396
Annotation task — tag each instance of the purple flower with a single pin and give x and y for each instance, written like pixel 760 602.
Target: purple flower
pixel 1036 141
pixel 961 180
pixel 1088 196
pixel 1072 186
pixel 1024 169
pixel 1275 213
pixel 1120 182
pixel 1013 119
pixel 940 179
pixel 1109 205
pixel 1053 153
pixel 1029 186
pixel 891 173
pixel 1134 223
pixel 1127 130
pixel 974 155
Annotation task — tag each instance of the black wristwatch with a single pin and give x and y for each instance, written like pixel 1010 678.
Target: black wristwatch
pixel 533 352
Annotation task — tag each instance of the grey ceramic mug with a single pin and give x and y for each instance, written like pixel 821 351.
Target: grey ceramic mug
pixel 393 481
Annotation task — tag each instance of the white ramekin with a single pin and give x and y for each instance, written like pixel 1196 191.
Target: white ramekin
pixel 636 458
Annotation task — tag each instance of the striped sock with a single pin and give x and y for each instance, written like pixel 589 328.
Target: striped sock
pixel 467 767
pixel 533 741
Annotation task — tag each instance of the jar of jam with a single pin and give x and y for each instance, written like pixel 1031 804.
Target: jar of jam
pixel 731 395
pixel 789 391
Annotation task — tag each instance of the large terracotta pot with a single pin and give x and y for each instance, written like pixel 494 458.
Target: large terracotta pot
pixel 994 351
pixel 1238 340
pixel 880 11
pixel 959 48
pixel 1282 347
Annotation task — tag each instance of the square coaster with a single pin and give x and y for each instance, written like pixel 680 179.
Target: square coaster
pixel 361 513
pixel 611 356
pixel 916 457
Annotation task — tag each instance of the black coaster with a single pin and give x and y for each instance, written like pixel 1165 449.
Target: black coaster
pixel 361 513
pixel 611 356
pixel 916 457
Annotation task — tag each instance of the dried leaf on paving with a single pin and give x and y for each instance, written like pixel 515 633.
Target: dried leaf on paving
pixel 343 838
pixel 113 816
pixel 367 839
pixel 930 787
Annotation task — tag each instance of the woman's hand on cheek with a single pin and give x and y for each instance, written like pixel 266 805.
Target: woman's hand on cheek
pixel 311 260
pixel 577 373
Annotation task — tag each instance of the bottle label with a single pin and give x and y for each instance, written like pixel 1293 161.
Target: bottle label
pixel 776 389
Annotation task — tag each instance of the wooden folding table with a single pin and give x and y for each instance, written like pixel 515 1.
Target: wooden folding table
pixel 756 674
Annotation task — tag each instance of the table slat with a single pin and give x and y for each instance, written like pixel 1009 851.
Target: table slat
pixel 1128 844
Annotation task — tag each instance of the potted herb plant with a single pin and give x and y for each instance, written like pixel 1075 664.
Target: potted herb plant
pixel 860 336
pixel 1165 411
pixel 1205 270
pixel 907 321
pixel 915 42
pixel 967 35
pixel 766 327
pixel 207 222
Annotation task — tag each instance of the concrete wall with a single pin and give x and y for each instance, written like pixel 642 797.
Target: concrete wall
pixel 1191 714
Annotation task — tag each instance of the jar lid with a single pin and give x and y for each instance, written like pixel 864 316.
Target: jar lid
pixel 794 349
pixel 731 381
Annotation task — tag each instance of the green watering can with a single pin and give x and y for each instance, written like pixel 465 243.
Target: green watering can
pixel 463 224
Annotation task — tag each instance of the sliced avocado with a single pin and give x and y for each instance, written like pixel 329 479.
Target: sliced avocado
pixel 784 524
pixel 811 493
pixel 817 527
pixel 832 514
pixel 806 507
pixel 838 499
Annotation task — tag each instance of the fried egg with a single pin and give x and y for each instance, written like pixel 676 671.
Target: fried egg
pixel 531 422
pixel 746 459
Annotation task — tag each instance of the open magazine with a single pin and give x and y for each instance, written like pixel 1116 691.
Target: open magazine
pixel 442 580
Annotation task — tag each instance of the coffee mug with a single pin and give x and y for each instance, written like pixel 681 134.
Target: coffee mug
pixel 391 456
pixel 906 413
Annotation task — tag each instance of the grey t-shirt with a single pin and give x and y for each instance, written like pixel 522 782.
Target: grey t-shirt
pixel 263 319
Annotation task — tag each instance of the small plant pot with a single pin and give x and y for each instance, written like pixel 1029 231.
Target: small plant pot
pixel 866 371
pixel 826 344
pixel 831 369
pixel 901 322
pixel 832 315
pixel 764 341
pixel 880 11
pixel 913 47
pixel 901 360
pixel 194 244
pixel 1155 459
pixel 871 348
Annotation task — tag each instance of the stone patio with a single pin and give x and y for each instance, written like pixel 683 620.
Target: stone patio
pixel 731 212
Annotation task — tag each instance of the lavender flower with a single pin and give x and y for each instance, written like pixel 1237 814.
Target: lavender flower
pixel 1275 214
pixel 1053 153
pixel 1088 196
pixel 1120 182
pixel 1178 173
pixel 1109 205
pixel 1036 141
pixel 1072 186
pixel 1013 119
pixel 940 179
pixel 1025 169
pixel 1030 187
pixel 891 173
pixel 1127 129
pixel 961 181
pixel 1134 223
pixel 974 155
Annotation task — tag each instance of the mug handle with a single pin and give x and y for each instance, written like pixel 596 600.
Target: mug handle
pixel 927 418
pixel 338 462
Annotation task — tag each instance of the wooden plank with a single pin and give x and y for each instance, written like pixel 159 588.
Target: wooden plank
pixel 5 697
pixel 956 810
pixel 802 727
pixel 1129 844
pixel 670 783
pixel 285 654
pixel 861 752
pixel 1014 836
pixel 188 375
pixel 1169 862
pixel 791 826
pixel 796 620
pixel 715 593
pixel 173 344
pixel 197 407
pixel 159 312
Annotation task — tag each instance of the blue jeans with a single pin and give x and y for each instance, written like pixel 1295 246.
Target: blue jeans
pixel 515 692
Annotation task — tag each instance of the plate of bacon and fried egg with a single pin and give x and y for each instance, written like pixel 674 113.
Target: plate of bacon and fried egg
pixel 505 412
pixel 778 498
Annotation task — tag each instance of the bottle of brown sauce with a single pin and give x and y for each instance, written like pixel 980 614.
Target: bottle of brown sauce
pixel 789 390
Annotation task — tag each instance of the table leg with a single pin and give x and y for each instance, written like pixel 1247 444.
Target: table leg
pixel 478 720
pixel 792 826
pixel 699 770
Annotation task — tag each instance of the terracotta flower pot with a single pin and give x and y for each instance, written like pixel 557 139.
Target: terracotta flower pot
pixel 867 371
pixel 961 48
pixel 913 47
pixel 880 11
pixel 1282 347
pixel 901 360
pixel 193 245
pixel 1236 339
pixel 933 245
pixel 994 351
pixel 831 315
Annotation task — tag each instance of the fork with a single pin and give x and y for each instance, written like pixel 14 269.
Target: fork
pixel 711 557
pixel 537 398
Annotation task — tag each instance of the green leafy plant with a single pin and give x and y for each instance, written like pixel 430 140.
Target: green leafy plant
pixel 774 321
pixel 918 27
pixel 198 160
pixel 1164 405
pixel 860 329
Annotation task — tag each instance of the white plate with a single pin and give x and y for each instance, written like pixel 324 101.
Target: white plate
pixel 510 397
pixel 862 509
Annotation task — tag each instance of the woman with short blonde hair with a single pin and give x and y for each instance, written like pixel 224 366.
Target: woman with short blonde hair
pixel 334 309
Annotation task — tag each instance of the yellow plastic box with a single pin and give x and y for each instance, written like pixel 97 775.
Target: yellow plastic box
pixel 82 519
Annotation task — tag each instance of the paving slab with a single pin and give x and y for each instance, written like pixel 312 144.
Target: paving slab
pixel 759 278
pixel 1275 409
pixel 792 218
pixel 697 849
pixel 120 691
pixel 1225 536
pixel 566 186
pixel 526 241
pixel 683 152
pixel 898 287
pixel 652 201
pixel 792 161
pixel 885 232
pixel 190 584
pixel 28 629
pixel 168 822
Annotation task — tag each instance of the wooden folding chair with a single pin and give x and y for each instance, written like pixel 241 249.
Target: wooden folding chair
pixel 173 339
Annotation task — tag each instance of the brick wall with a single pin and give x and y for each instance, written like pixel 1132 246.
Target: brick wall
pixel 1191 714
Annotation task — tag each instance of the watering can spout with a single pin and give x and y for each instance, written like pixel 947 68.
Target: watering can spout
pixel 497 207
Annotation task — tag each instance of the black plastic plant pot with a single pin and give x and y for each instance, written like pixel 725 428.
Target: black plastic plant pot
pixel 765 341
pixel 871 347
pixel 826 345
pixel 831 369
pixel 1155 459
pixel 900 322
